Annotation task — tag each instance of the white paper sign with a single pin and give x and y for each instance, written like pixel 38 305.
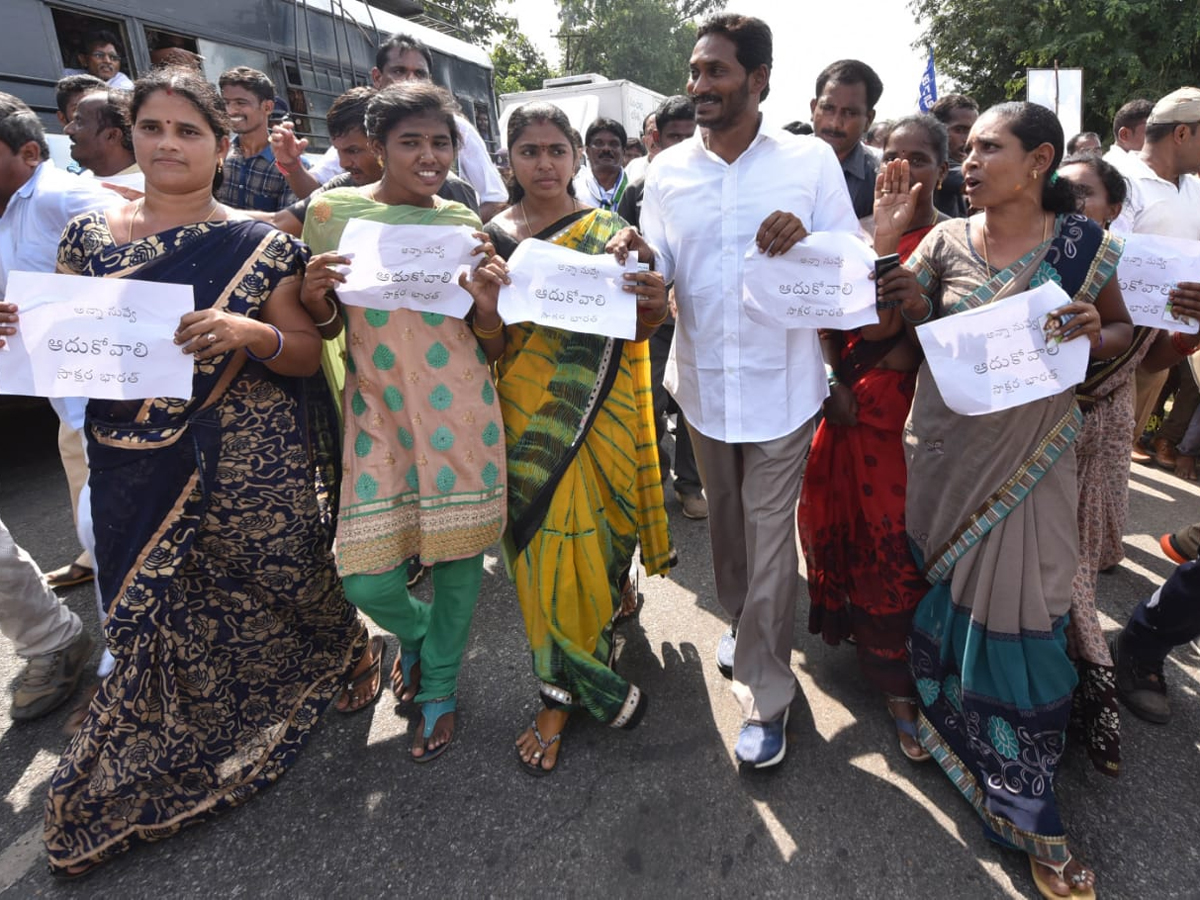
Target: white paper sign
pixel 1150 266
pixel 102 338
pixel 407 266
pixel 822 282
pixel 997 357
pixel 563 288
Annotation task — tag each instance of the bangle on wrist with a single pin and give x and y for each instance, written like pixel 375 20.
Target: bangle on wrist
pixel 831 375
pixel 1180 345
pixel 287 172
pixel 925 318
pixel 655 323
pixel 488 333
pixel 278 349
pixel 332 315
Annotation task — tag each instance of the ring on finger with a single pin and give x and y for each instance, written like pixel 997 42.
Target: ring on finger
pixel 211 338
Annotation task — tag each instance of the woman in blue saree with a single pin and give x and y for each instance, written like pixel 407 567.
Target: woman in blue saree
pixel 991 499
pixel 224 611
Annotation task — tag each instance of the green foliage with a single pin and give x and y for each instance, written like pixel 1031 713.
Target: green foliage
pixel 477 21
pixel 519 65
pixel 1126 48
pixel 645 41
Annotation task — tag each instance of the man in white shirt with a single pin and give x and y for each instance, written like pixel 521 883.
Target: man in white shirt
pixel 749 391
pixel 101 58
pixel 1129 132
pixel 102 136
pixel 1163 197
pixel 36 203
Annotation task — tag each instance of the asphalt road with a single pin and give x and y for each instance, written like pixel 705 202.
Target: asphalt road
pixel 659 811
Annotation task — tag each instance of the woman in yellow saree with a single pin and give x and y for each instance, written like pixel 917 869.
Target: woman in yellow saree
pixel 584 484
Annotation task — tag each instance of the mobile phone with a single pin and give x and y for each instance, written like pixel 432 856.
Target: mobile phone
pixel 885 264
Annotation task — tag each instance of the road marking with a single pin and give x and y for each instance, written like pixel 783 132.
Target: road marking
pixel 19 857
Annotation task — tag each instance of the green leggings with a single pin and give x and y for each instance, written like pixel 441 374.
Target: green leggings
pixel 437 631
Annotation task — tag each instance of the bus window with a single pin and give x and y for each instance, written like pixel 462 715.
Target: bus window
pixel 170 49
pixel 311 91
pixel 74 29
pixel 219 57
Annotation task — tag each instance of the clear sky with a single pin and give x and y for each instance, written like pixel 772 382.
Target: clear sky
pixel 808 36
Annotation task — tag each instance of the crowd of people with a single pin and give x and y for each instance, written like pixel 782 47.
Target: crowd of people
pixel 330 454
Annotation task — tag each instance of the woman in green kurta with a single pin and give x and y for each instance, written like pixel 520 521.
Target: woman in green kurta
pixel 423 460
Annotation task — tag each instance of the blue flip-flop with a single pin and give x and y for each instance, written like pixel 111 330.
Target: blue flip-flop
pixel 408 659
pixel 431 712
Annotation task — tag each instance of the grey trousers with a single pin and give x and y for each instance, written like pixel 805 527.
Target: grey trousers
pixel 752 493
pixel 31 615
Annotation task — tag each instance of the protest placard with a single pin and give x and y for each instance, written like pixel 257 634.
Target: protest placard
pixel 822 282
pixel 407 266
pixel 996 357
pixel 103 338
pixel 1150 266
pixel 563 288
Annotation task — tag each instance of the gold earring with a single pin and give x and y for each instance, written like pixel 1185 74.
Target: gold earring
pixel 939 185
pixel 1035 174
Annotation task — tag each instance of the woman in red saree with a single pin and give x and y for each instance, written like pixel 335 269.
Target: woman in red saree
pixel 862 581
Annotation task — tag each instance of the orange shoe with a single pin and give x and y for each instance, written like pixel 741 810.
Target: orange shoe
pixel 1168 546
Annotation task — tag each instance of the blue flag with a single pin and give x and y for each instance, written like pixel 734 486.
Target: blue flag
pixel 928 85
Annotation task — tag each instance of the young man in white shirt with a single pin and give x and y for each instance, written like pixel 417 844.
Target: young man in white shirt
pixel 1164 198
pixel 748 391
pixel 36 203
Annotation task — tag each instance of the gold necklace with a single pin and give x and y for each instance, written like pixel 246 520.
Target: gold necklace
pixel 525 218
pixel 983 239
pixel 141 208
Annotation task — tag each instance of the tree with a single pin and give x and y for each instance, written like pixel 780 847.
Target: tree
pixel 479 21
pixel 1126 48
pixel 519 66
pixel 646 41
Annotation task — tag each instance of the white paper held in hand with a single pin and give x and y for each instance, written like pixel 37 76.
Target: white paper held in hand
pixel 1150 266
pixel 101 338
pixel 997 357
pixel 407 266
pixel 563 288
pixel 822 282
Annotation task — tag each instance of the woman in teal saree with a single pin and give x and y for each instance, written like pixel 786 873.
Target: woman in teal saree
pixel 991 499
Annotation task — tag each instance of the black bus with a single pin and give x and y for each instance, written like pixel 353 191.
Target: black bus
pixel 312 49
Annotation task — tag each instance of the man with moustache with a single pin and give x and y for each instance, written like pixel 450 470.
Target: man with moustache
pixel 252 178
pixel 101 135
pixel 101 59
pixel 749 391
pixel 842 110
pixel 603 182
pixel 958 113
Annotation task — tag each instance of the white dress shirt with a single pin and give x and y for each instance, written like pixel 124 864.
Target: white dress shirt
pixel 475 165
pixel 32 225
pixel 738 381
pixel 1154 205
pixel 120 81
pixel 1118 158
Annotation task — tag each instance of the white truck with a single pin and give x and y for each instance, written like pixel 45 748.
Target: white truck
pixel 585 98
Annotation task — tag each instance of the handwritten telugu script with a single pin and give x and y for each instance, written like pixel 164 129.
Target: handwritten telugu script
pixel 996 357
pixel 563 288
pixel 1150 267
pixel 407 266
pixel 103 338
pixel 822 282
